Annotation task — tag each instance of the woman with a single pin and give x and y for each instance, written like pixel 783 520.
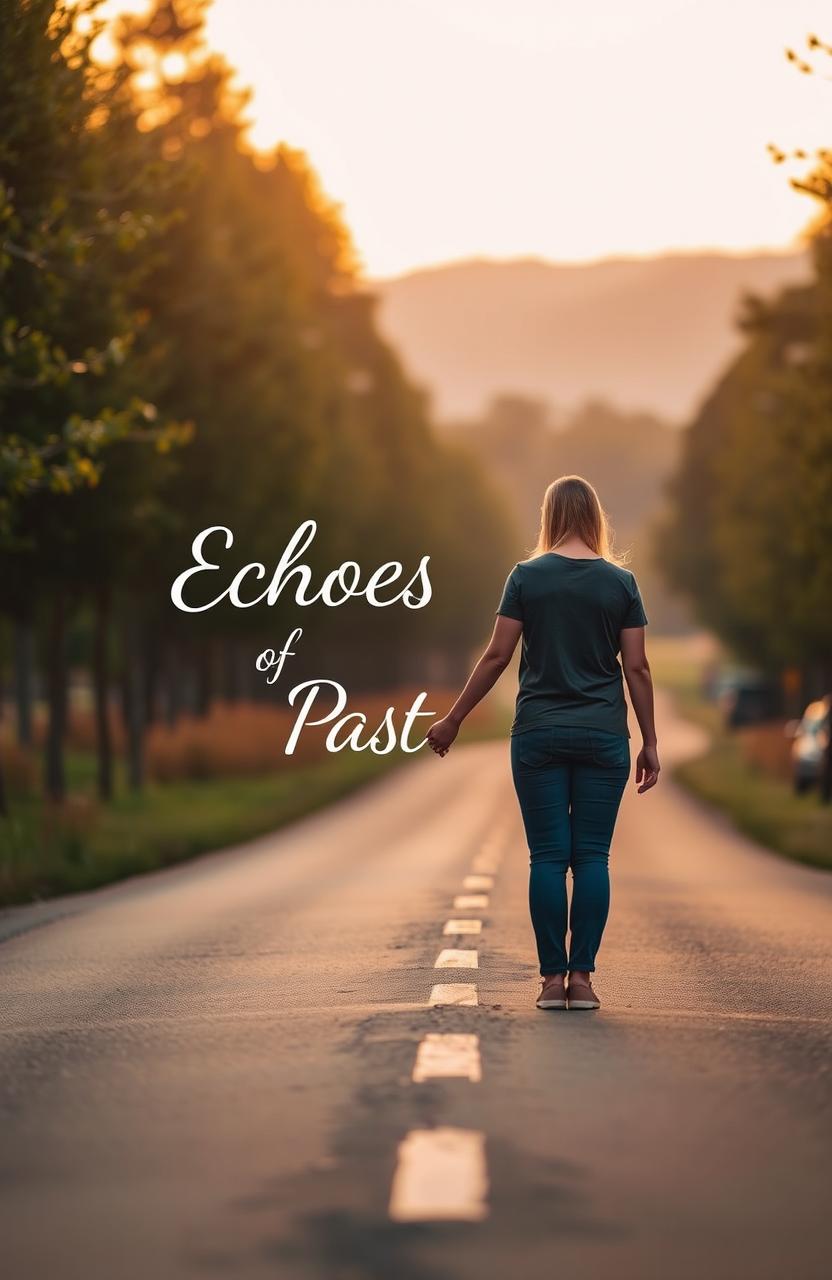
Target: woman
pixel 576 609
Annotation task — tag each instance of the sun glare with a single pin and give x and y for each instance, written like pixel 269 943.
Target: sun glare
pixel 537 129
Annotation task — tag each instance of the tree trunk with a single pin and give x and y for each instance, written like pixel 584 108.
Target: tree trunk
pixel 205 680
pixel 56 693
pixel 150 670
pixel 4 805
pixel 24 651
pixel 101 687
pixel 230 671
pixel 134 704
pixel 174 698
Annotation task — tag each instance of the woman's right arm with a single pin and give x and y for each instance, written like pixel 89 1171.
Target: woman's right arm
pixel 640 684
pixel 486 673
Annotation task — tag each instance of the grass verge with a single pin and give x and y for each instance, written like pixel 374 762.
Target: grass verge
pixel 763 807
pixel 758 803
pixel 84 846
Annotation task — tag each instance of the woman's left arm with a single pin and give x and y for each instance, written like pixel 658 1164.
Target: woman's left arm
pixel 486 673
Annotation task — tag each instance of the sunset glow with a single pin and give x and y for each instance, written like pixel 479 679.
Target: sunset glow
pixel 460 128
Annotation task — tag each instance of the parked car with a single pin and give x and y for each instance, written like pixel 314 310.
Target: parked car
pixel 810 738
pixel 748 699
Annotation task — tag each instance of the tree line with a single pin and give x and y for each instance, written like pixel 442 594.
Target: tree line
pixel 748 535
pixel 184 341
pixel 628 455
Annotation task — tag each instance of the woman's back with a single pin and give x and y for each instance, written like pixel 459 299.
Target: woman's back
pixel 573 611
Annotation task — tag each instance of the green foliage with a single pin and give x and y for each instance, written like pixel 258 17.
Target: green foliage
pixel 70 254
pixel 749 535
pixel 184 342
pixel 82 847
pixel 765 808
pixel 258 331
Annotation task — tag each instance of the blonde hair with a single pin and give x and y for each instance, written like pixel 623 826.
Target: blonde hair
pixel 571 506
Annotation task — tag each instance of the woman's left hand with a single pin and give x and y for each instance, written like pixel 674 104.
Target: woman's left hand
pixel 441 735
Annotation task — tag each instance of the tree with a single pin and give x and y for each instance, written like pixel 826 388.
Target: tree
pixel 750 533
pixel 71 244
pixel 161 273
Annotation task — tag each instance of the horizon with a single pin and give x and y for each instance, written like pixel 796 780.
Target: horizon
pixel 471 129
pixel 542 133
pixel 800 245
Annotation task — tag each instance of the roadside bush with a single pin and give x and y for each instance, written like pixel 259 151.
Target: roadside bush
pixel 244 739
pixel 766 747
pixel 20 769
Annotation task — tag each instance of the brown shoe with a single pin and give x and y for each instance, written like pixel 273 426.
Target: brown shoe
pixel 579 995
pixel 552 992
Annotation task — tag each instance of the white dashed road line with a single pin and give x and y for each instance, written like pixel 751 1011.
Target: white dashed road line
pixel 462 926
pixel 486 863
pixel 478 882
pixel 471 902
pixel 449 958
pixel 454 993
pixel 442 1056
pixel 440 1175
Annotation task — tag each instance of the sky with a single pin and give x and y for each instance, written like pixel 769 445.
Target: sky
pixel 563 129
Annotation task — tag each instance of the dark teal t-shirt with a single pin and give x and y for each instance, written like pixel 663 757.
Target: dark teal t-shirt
pixel 573 613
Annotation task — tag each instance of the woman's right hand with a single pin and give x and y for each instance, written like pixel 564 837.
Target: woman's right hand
pixel 442 734
pixel 647 768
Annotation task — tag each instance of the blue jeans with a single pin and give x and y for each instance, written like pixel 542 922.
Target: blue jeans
pixel 569 783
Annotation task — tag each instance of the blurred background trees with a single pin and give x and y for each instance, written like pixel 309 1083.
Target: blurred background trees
pixel 748 530
pixel 186 343
pixel 628 455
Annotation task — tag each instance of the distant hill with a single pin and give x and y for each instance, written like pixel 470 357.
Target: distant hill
pixel 646 334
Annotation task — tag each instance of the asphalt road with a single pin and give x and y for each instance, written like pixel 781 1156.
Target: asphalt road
pixel 209 1072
